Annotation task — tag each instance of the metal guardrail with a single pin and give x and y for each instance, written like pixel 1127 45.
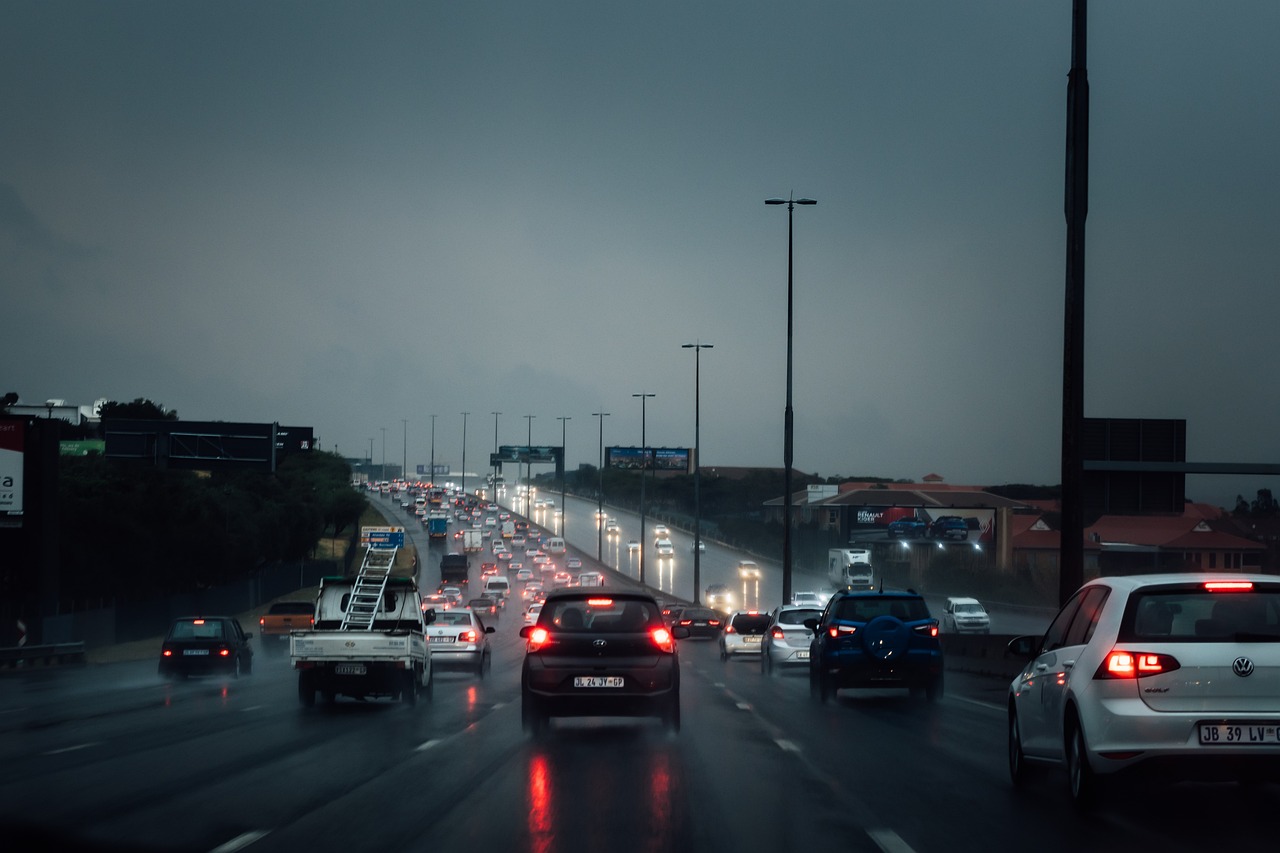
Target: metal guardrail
pixel 55 654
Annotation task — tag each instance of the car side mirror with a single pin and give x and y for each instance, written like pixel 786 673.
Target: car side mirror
pixel 812 625
pixel 488 629
pixel 524 632
pixel 680 632
pixel 429 616
pixel 248 635
pixel 1023 647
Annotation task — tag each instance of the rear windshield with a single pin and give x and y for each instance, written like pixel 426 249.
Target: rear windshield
pixel 797 617
pixel 600 615
pixel 864 609
pixel 197 629
pixel 1196 614
pixel 293 608
pixel 750 623
pixel 699 613
pixel 453 617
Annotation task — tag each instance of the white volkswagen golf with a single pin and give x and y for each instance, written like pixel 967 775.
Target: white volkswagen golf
pixel 1175 675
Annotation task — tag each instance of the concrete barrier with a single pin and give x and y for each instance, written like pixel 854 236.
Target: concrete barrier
pixel 14 658
pixel 981 654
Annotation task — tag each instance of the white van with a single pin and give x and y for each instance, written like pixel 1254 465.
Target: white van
pixel 555 545
pixel 497 584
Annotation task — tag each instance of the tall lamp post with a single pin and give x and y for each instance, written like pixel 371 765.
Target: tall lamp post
pixel 495 453
pixel 464 453
pixel 433 450
pixel 384 452
pixel 528 467
pixel 600 491
pixel 563 424
pixel 644 473
pixel 404 450
pixel 788 424
pixel 697 462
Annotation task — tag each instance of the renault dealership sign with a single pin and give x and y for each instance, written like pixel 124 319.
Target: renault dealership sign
pixel 12 448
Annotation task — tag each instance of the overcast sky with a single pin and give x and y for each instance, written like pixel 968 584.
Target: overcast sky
pixel 344 215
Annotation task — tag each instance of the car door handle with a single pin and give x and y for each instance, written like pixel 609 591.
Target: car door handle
pixel 1067 664
pixel 1042 667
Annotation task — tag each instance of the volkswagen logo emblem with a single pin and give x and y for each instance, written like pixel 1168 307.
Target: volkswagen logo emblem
pixel 1242 667
pixel 600 644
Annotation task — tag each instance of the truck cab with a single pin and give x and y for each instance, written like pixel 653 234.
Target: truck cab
pixel 850 568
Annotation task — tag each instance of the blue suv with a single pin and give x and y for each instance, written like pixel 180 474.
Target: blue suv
pixel 875 639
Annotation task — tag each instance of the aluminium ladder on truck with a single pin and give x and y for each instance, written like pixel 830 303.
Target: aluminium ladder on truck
pixel 371 583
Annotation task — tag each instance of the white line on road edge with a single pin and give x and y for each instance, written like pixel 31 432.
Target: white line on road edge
pixel 240 841
pixel 889 841
pixel 72 748
pixel 978 702
pixel 423 747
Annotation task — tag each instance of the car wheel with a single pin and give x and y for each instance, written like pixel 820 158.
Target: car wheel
pixel 306 690
pixel 483 667
pixel 765 663
pixel 248 665
pixel 235 667
pixel 409 688
pixel 724 653
pixel 671 716
pixel 933 690
pixel 532 719
pixel 1082 782
pixel 1019 772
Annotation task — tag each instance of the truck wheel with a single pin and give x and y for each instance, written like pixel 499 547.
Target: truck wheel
pixel 306 690
pixel 409 688
pixel 429 689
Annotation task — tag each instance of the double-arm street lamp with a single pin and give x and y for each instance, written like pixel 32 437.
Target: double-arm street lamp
pixel 787 428
pixel 697 465
pixel 432 478
pixel 528 468
pixel 563 423
pixel 495 452
pixel 600 492
pixel 464 453
pixel 644 473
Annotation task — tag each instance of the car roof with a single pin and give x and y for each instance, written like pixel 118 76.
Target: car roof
pixel 579 594
pixel 962 600
pixel 887 593
pixel 1131 582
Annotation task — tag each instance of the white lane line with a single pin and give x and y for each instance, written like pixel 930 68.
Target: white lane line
pixel 744 706
pixel 978 702
pixel 250 708
pixel 423 747
pixel 241 841
pixel 889 841
pixel 72 748
pixel 787 745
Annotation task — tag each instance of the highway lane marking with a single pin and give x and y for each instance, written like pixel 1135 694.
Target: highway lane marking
pixel 72 748
pixel 250 708
pixel 889 841
pixel 422 747
pixel 977 702
pixel 241 841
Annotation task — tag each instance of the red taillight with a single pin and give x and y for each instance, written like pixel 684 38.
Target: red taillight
pixel 1229 586
pixel 168 653
pixel 225 652
pixel 467 637
pixel 262 621
pixel 688 622
pixel 842 630
pixel 662 639
pixel 197 621
pixel 713 622
pixel 538 638
pixel 1125 664
pixel 600 602
pixel 930 630
pixel 729 629
pixel 778 634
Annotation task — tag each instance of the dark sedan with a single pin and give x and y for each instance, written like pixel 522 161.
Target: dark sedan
pixel 591 654
pixel 205 645
pixel 701 622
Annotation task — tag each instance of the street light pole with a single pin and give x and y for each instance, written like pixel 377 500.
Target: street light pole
pixel 404 458
pixel 464 453
pixel 495 451
pixel 697 462
pixel 384 452
pixel 788 422
pixel 528 467
pixel 564 422
pixel 600 491
pixel 433 450
pixel 644 472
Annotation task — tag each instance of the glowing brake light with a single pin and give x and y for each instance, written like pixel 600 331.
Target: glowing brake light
pixel 1228 586
pixel 467 637
pixel 197 621
pixel 1124 664
pixel 842 630
pixel 729 629
pixel 778 634
pixel 224 652
pixel 537 638
pixel 929 630
pixel 600 602
pixel 662 639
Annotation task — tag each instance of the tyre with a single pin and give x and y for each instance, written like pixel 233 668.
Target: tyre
pixel 428 690
pixel 933 690
pixel 671 715
pixel 409 688
pixel 235 667
pixel 1019 772
pixel 1082 783
pixel 766 663
pixel 248 665
pixel 306 689
pixel 532 719
pixel 724 653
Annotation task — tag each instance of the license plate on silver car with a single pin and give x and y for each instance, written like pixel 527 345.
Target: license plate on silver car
pixel 597 681
pixel 1240 734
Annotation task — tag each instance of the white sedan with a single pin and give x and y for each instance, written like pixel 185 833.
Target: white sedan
pixel 1178 674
